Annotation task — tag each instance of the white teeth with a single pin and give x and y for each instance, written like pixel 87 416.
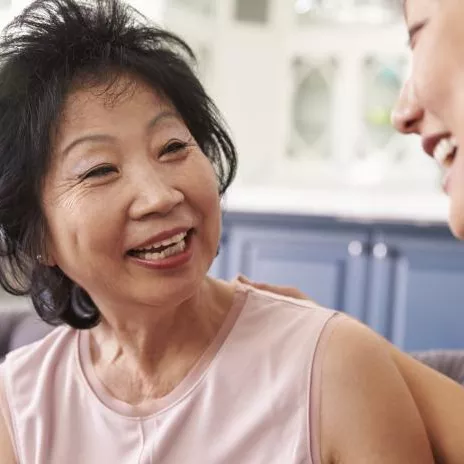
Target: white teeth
pixel 171 251
pixel 175 239
pixel 444 149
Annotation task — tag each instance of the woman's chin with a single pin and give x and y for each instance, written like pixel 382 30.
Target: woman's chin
pixel 456 221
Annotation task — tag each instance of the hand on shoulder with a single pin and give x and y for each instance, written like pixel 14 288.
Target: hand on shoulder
pixel 291 292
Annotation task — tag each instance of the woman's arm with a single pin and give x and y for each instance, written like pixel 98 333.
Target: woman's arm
pixel 368 415
pixel 441 404
pixel 6 446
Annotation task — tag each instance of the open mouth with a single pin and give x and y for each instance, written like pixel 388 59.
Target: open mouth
pixel 445 151
pixel 172 246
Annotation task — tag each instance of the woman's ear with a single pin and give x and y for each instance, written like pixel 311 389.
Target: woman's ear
pixel 46 260
pixel 50 257
pixel 46 256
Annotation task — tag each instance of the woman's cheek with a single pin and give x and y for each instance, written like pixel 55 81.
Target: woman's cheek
pixel 206 185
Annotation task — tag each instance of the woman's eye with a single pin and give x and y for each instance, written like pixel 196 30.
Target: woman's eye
pixel 414 32
pixel 173 147
pixel 99 171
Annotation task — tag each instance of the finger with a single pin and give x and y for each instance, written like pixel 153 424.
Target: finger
pixel 258 285
pixel 243 279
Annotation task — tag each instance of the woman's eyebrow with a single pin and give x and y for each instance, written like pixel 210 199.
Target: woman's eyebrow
pixel 87 138
pixel 160 116
pixel 108 138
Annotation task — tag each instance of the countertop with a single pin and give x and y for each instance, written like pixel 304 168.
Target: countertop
pixel 422 207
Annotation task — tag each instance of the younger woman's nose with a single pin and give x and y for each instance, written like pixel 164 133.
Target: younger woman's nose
pixel 407 115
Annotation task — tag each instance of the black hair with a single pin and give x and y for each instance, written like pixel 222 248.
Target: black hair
pixel 45 52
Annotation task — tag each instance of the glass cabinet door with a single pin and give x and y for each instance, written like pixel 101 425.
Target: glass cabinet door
pixel 397 158
pixel 312 107
pixel 382 82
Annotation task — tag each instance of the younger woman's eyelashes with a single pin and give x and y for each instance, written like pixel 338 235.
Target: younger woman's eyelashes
pixel 414 32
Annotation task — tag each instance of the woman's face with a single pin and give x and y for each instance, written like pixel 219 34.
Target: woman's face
pixel 131 201
pixel 432 101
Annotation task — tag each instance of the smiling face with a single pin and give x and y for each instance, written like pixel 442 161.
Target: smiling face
pixel 126 184
pixel 432 101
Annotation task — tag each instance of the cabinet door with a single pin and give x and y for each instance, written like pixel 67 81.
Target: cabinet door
pixel 329 266
pixel 217 269
pixel 416 291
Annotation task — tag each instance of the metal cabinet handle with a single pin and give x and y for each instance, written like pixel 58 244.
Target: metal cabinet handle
pixel 380 251
pixel 355 249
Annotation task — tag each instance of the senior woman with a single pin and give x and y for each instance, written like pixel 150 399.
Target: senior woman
pixel 432 106
pixel 113 160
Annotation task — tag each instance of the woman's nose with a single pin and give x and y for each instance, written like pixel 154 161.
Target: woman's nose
pixel 407 115
pixel 154 196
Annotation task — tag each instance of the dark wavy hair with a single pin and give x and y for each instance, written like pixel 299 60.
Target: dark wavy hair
pixel 51 48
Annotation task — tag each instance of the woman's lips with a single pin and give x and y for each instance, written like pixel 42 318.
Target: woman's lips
pixel 170 262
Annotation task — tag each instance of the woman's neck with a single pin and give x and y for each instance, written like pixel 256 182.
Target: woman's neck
pixel 150 354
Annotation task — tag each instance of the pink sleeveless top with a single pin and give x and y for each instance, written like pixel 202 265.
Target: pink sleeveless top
pixel 251 399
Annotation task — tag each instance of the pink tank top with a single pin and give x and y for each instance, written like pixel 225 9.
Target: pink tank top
pixel 251 399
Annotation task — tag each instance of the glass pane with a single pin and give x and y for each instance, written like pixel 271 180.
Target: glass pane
pixel 204 7
pixel 312 109
pixel 366 11
pixel 255 11
pixel 382 83
pixel 385 157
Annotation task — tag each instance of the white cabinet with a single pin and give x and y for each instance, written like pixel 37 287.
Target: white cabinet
pixel 308 99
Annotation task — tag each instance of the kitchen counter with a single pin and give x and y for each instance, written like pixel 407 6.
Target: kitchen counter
pixel 417 207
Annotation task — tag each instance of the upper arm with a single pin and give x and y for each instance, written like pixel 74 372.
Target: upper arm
pixel 441 405
pixel 368 415
pixel 6 445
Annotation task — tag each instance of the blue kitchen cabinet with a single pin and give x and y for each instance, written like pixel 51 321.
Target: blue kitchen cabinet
pixel 404 280
pixel 217 269
pixel 416 289
pixel 328 264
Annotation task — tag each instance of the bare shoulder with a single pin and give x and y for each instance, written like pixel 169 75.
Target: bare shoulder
pixel 6 445
pixel 367 412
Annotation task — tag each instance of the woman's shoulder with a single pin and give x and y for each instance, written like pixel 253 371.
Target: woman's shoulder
pixel 44 352
pixel 7 450
pixel 360 380
pixel 287 322
pixel 258 300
